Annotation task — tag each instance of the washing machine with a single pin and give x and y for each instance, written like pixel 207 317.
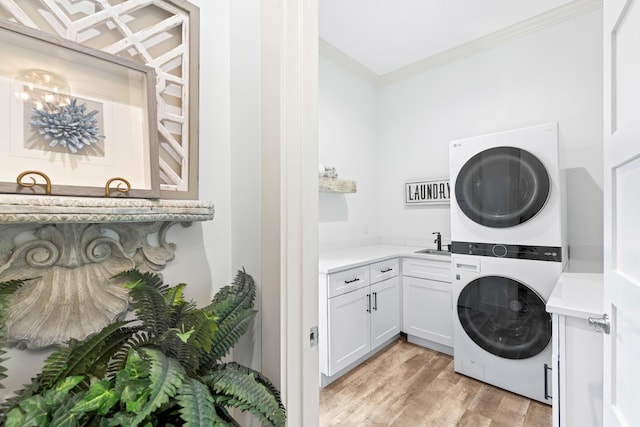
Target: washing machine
pixel 507 188
pixel 502 332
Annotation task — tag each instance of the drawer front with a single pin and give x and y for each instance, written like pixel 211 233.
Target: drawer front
pixel 384 270
pixel 427 269
pixel 348 280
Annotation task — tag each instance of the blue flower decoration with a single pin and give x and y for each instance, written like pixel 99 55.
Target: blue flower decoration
pixel 67 125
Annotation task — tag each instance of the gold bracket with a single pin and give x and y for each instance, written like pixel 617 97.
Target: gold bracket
pixel 119 187
pixel 33 180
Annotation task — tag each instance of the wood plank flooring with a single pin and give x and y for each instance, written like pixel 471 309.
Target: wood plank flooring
pixel 407 385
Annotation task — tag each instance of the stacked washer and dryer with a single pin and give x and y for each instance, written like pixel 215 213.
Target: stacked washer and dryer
pixel 508 251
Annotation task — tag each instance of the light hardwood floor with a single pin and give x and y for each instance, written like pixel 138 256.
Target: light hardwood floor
pixel 409 386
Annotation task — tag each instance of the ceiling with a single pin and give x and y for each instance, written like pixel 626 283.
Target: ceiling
pixel 387 35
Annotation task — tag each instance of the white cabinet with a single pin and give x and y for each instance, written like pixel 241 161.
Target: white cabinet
pixel 427 304
pixel 362 313
pixel 577 351
pixel 577 355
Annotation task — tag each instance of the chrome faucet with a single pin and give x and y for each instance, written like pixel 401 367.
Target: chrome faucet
pixel 438 240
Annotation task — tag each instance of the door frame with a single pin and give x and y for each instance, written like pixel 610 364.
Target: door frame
pixel 289 205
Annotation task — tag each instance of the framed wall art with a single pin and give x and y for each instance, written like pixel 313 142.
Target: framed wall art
pixel 163 34
pixel 75 115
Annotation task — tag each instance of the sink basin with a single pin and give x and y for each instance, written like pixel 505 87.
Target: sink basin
pixel 433 252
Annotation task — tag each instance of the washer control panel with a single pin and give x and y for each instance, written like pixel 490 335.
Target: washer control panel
pixel 498 250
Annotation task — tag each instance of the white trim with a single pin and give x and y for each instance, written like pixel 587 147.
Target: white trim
pixel 289 228
pixel 528 26
pixel 345 61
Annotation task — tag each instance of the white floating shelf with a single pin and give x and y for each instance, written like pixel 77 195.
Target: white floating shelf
pixel 330 185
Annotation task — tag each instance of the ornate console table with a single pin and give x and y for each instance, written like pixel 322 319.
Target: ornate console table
pixel 70 248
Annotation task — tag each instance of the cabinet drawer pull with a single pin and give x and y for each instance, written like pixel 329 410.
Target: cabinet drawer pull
pixel 375 301
pixel 386 270
pixel 368 303
pixel 547 368
pixel 353 280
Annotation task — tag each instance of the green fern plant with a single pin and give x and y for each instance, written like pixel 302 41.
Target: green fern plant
pixel 6 290
pixel 164 368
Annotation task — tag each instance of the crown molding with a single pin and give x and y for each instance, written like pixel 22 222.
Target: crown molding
pixel 528 26
pixel 339 57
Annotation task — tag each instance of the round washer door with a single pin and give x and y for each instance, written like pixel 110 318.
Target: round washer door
pixel 504 317
pixel 502 187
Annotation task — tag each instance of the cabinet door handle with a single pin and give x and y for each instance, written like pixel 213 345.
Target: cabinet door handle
pixel 546 382
pixel 386 270
pixel 375 301
pixel 351 281
pixel 368 303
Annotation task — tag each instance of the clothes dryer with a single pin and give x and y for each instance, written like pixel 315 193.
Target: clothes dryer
pixel 507 188
pixel 502 332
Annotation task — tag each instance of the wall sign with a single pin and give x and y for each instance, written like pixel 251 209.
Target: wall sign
pixel 427 192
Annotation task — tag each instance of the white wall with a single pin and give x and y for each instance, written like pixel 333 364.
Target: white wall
pixel 552 75
pixel 230 150
pixel 347 133
pixel 209 253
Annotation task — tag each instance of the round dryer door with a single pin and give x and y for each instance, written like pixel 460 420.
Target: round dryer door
pixel 504 317
pixel 502 187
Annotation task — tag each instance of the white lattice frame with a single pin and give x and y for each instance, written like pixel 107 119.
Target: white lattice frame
pixel 183 183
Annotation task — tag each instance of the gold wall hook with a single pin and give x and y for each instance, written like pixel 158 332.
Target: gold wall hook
pixel 119 187
pixel 33 180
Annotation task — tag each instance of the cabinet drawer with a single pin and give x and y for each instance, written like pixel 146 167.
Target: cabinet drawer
pixel 427 269
pixel 348 280
pixel 384 270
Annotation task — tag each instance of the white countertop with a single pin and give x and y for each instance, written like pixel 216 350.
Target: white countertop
pixel 578 295
pixel 342 259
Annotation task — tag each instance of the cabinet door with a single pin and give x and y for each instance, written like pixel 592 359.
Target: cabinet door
pixel 427 310
pixel 385 311
pixel 349 328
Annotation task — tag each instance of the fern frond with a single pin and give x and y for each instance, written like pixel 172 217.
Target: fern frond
pixel 226 416
pixel 238 296
pixel 6 290
pixel 175 294
pixel 119 359
pixel 186 354
pixel 149 279
pixel 227 335
pixel 151 308
pixel 266 382
pixel 204 329
pixel 235 385
pixel 166 377
pixel 118 342
pixel 196 405
pixel 9 287
pixel 82 358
